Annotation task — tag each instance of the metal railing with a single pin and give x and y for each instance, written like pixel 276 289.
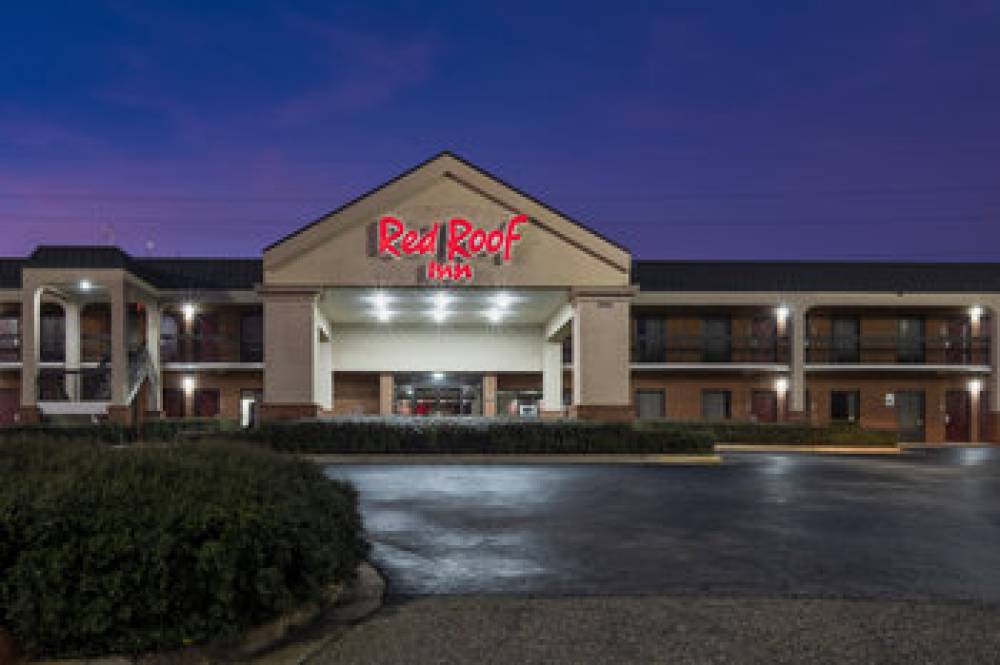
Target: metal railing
pixel 10 348
pixel 86 384
pixel 896 350
pixel 209 348
pixel 714 349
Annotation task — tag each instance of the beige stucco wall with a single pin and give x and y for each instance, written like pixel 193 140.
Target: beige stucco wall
pixel 601 351
pixel 550 253
pixel 429 348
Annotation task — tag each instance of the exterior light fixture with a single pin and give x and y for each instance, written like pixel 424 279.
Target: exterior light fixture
pixel 975 385
pixel 383 315
pixel 441 299
pixel 439 315
pixel 438 376
pixel 975 313
pixel 494 315
pixel 781 385
pixel 781 313
pixel 188 383
pixel 86 285
pixel 502 300
pixel 188 310
pixel 380 300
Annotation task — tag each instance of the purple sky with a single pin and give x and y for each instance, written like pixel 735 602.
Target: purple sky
pixel 798 129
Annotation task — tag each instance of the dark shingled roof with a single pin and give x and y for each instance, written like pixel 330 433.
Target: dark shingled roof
pixel 10 273
pixel 198 273
pixel 858 276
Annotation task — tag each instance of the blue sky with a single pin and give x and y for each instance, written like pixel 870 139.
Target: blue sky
pixel 683 130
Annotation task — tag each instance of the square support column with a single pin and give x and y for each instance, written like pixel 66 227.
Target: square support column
pixel 31 302
pixel 797 366
pixel 601 355
pixel 386 393
pixel 291 350
pixel 154 389
pixel 71 316
pixel 119 410
pixel 552 377
pixel 489 395
pixel 992 432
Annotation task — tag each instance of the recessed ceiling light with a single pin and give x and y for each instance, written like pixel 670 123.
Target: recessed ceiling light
pixel 494 315
pixel 85 285
pixel 439 315
pixel 502 300
pixel 383 315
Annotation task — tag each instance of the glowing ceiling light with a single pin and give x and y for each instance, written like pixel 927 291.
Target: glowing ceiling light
pixel 380 300
pixel 975 385
pixel 188 309
pixel 781 385
pixel 494 315
pixel 438 376
pixel 85 285
pixel 441 300
pixel 439 315
pixel 502 300
pixel 383 315
pixel 975 313
pixel 781 313
pixel 188 384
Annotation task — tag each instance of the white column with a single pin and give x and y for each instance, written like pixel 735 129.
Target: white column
pixel 119 344
pixel 31 302
pixel 552 375
pixel 154 394
pixel 993 384
pixel 71 314
pixel 796 361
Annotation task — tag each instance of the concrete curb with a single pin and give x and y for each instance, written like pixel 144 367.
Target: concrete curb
pixel 501 459
pixel 806 448
pixel 289 640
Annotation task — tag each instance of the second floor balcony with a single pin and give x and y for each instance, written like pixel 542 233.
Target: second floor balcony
pixel 196 348
pixel 698 349
pixel 898 350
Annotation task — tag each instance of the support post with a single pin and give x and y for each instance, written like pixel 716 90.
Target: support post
pixel 154 388
pixel 71 318
pixel 796 361
pixel 601 355
pixel 31 302
pixel 386 390
pixel 552 376
pixel 489 395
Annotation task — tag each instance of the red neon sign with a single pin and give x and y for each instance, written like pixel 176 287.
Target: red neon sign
pixel 462 240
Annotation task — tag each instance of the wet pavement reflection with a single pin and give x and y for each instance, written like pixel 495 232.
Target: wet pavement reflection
pixel 924 525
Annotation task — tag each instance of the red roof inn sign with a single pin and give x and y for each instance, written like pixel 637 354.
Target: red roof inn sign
pixel 447 245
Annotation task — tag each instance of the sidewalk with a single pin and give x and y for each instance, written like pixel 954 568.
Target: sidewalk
pixel 675 630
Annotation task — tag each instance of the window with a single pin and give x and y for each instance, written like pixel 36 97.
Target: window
pixel 10 341
pixel 650 344
pixel 170 341
pixel 207 346
pixel 715 404
pixel 845 406
pixel 845 345
pixel 716 346
pixel 650 403
pixel 910 340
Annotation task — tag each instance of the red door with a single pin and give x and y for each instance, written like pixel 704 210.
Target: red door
pixel 206 403
pixel 957 406
pixel 957 342
pixel 764 339
pixel 173 403
pixel 764 406
pixel 8 405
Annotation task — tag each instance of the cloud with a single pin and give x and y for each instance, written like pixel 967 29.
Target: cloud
pixel 363 71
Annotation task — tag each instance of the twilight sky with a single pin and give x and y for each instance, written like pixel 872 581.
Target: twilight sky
pixel 847 129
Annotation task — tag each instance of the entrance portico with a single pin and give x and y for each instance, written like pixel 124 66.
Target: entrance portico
pixel 446 271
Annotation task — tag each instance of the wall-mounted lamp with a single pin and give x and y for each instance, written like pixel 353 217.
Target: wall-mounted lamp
pixel 188 384
pixel 781 385
pixel 86 285
pixel 781 313
pixel 975 385
pixel 188 310
pixel 975 313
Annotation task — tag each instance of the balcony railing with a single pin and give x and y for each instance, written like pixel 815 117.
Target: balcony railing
pixel 75 385
pixel 209 349
pixel 10 348
pixel 895 350
pixel 714 349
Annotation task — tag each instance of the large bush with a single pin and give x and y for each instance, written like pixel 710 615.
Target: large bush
pixel 376 435
pixel 127 550
pixel 777 433
pixel 179 429
pixel 98 433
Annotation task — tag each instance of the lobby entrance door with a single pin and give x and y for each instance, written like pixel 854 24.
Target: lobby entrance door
pixel 439 394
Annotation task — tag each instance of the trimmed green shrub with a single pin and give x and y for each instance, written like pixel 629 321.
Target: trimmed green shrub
pixel 176 429
pixel 371 435
pixel 97 433
pixel 777 433
pixel 127 550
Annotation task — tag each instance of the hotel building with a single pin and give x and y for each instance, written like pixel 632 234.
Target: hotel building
pixel 448 292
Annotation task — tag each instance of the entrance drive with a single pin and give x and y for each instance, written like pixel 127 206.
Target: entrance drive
pixel 958 410
pixel 910 415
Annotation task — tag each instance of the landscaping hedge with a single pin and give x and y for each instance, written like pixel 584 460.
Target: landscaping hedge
pixel 127 550
pixel 96 433
pixel 476 436
pixel 176 429
pixel 777 433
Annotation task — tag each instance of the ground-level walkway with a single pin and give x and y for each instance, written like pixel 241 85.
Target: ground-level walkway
pixel 674 630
